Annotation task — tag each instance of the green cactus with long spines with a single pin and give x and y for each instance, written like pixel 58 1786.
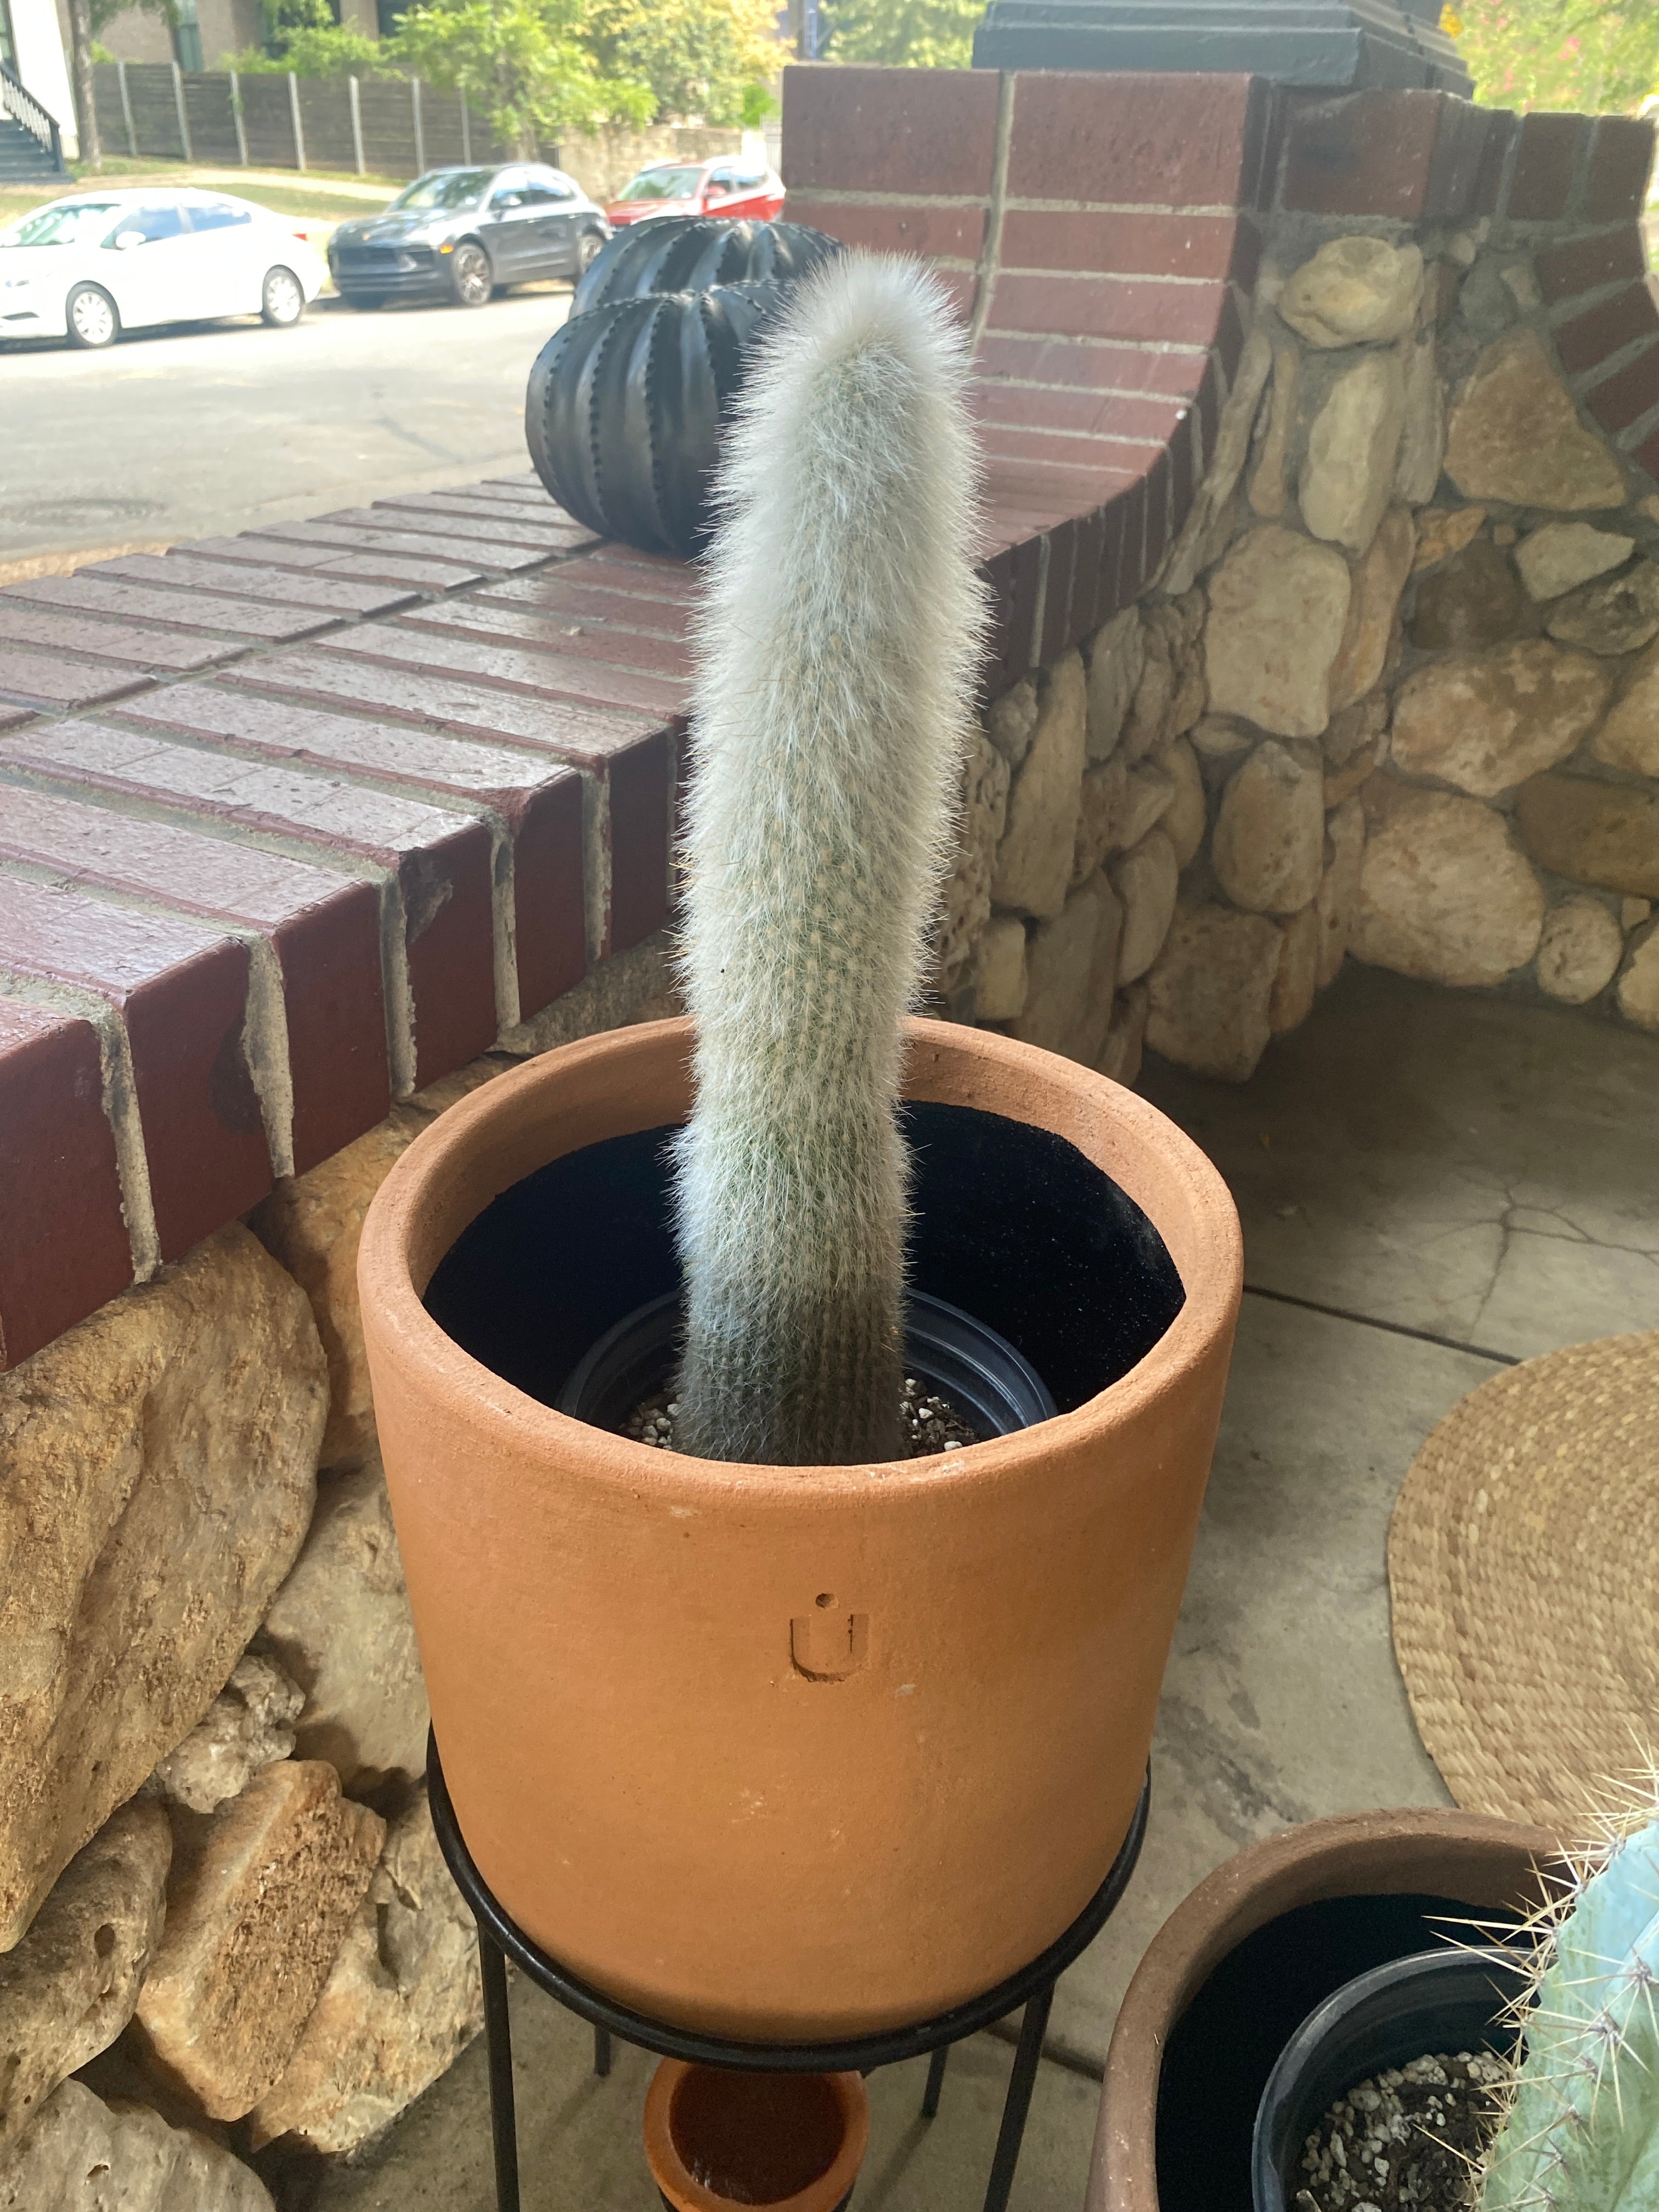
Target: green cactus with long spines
pixel 1581 2133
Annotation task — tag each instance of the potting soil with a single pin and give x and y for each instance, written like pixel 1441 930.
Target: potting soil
pixel 1409 2137
pixel 931 1424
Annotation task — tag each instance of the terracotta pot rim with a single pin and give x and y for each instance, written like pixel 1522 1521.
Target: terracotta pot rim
pixel 671 2174
pixel 388 1273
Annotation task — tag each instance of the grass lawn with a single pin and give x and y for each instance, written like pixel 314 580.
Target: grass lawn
pixel 324 198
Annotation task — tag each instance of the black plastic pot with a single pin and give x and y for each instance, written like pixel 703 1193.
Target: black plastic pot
pixel 1447 2000
pixel 623 410
pixel 693 253
pixel 948 1350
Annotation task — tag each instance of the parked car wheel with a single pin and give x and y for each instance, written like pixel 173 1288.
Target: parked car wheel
pixel 282 299
pixel 92 317
pixel 589 246
pixel 471 276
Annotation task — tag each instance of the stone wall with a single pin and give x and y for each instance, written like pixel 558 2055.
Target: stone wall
pixel 1394 692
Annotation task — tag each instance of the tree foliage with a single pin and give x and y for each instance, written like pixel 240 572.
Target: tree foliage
pixel 702 57
pixel 916 33
pixel 313 51
pixel 523 63
pixel 1577 54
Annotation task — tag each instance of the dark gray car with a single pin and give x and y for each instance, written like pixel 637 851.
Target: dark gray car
pixel 465 233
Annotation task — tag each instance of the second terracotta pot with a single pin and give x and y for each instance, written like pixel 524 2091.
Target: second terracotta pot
pixel 791 1753
pixel 716 2139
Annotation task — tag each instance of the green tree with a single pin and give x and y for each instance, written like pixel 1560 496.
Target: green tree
pixel 914 33
pixel 1576 54
pixel 522 62
pixel 702 57
pixel 334 51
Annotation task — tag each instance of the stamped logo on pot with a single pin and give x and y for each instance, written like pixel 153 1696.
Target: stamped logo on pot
pixel 828 1643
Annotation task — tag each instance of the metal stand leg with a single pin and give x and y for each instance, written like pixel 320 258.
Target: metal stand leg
pixel 602 2051
pixel 498 2034
pixel 936 2066
pixel 1018 2103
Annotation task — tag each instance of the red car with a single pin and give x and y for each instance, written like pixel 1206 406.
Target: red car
pixel 733 185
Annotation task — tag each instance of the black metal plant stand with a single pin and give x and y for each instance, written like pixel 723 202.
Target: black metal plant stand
pixel 501 1939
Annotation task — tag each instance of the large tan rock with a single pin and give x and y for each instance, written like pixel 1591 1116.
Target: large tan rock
pixel 1563 555
pixel 1187 817
pixel 1338 887
pixel 1423 440
pixel 1210 990
pixel 1514 435
pixel 1279 604
pixel 1638 987
pixel 1354 291
pixel 83 2156
pixel 1144 881
pixel 1269 837
pixel 1010 721
pixel 341 1628
pixel 1381 578
pixel 967 901
pixel 1150 716
pixel 1034 860
pixel 262 1895
pixel 402 2001
pixel 67 1989
pixel 1485 722
pixel 1629 738
pixel 1071 965
pixel 1000 978
pixel 248 1725
pixel 1297 976
pixel 1606 834
pixel 1354 450
pixel 1190 555
pixel 1444 893
pixel 1102 805
pixel 1148 794
pixel 1270 489
pixel 1117 656
pixel 160 1464
pixel 1579 952
pixel 1620 614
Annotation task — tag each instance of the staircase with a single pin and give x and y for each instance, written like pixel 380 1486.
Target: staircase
pixel 31 150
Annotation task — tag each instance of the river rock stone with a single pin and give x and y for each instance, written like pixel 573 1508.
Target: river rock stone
pixel 967 901
pixel 1297 975
pixel 1514 435
pixel 1638 987
pixel 1210 990
pixel 1145 880
pixel 1562 555
pixel 67 1989
pixel 1353 449
pixel 1355 291
pixel 1485 722
pixel 1620 615
pixel 1606 834
pixel 1629 738
pixel 402 2002
pixel 1270 489
pixel 1148 719
pixel 1441 531
pixel 1471 598
pixel 160 1465
pixel 83 2156
pixel 1011 719
pixel 248 1725
pixel 1186 818
pixel 1126 1034
pixel 1279 604
pixel 1034 860
pixel 1579 952
pixel 1071 966
pixel 1338 887
pixel 999 979
pixel 341 1626
pixel 1227 455
pixel 1148 794
pixel 262 1895
pixel 1219 741
pixel 1117 655
pixel 1358 664
pixel 1102 803
pixel 1444 893
pixel 1422 439
pixel 1270 833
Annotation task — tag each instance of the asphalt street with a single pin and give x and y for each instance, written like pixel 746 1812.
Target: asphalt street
pixel 197 430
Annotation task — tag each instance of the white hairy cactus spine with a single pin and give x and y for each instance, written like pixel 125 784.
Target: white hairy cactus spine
pixel 837 652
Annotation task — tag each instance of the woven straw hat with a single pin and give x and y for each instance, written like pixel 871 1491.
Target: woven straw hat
pixel 1523 1563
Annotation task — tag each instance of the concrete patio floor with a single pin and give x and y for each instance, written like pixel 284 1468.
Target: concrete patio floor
pixel 1431 1183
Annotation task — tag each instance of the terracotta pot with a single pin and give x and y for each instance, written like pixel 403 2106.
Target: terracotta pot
pixel 792 2142
pixel 1235 1969
pixel 789 1753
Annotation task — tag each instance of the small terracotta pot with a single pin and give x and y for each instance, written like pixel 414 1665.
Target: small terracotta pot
pixel 716 2139
pixel 791 1753
pixel 1390 1882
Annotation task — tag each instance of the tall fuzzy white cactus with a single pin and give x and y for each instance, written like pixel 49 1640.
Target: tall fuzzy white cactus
pixel 1581 2133
pixel 837 653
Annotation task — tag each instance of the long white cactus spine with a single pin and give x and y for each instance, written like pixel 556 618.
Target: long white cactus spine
pixel 837 653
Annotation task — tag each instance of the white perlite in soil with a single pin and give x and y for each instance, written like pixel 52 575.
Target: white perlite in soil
pixel 931 1424
pixel 1406 2140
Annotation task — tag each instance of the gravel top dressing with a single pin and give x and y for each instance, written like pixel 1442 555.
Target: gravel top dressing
pixel 1409 2137
pixel 931 1424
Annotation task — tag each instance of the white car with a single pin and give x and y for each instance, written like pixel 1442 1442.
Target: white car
pixel 90 266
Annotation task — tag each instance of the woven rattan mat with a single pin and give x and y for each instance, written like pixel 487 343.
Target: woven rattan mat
pixel 1523 1564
